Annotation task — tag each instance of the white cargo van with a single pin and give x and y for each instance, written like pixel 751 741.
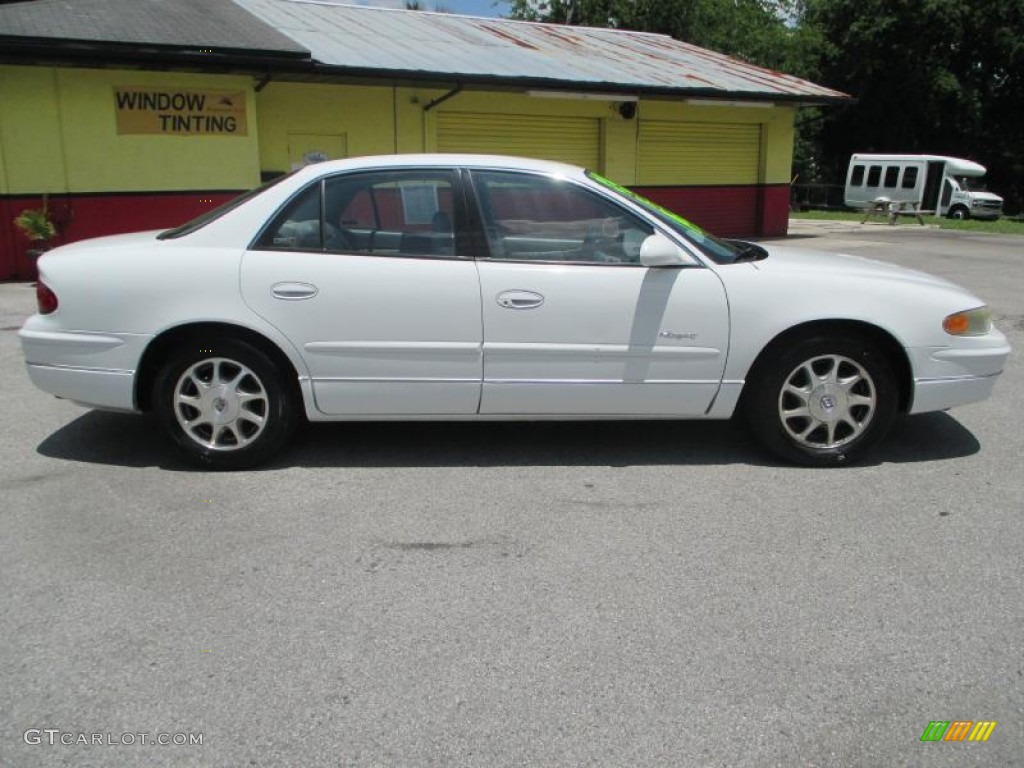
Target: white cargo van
pixel 945 186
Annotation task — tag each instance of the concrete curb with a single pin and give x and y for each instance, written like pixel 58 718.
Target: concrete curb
pixel 831 226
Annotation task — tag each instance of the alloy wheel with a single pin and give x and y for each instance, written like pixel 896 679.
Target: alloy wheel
pixel 827 402
pixel 221 404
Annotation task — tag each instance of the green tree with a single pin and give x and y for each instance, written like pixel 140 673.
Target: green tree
pixel 758 31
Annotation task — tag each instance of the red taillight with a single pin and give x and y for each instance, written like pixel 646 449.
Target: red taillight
pixel 45 299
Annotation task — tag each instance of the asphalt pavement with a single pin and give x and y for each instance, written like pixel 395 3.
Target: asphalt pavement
pixel 639 594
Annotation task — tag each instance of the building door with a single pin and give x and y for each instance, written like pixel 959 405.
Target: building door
pixel 304 148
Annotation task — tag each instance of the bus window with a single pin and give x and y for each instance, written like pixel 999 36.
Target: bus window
pixel 909 177
pixel 874 175
pixel 892 173
pixel 857 179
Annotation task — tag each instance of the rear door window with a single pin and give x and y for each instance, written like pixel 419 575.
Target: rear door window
pixel 388 213
pixel 299 226
pixel 392 213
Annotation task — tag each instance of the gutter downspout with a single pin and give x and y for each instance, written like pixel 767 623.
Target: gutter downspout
pixel 442 99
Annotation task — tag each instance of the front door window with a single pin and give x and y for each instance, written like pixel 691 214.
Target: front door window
pixel 539 218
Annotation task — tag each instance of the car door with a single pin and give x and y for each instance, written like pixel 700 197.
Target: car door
pixel 363 272
pixel 573 323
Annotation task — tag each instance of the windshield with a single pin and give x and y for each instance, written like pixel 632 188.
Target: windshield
pixel 719 251
pixel 971 183
pixel 203 219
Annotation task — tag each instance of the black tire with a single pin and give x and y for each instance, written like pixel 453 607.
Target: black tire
pixel 243 411
pixel 850 403
pixel 959 212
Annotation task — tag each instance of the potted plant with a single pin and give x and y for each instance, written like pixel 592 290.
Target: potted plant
pixel 38 227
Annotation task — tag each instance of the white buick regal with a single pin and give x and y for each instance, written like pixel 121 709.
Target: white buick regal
pixel 474 287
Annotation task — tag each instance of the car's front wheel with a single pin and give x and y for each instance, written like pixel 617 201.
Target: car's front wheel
pixel 225 404
pixel 822 401
pixel 959 212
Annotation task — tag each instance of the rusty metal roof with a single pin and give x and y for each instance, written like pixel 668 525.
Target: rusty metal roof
pixel 467 49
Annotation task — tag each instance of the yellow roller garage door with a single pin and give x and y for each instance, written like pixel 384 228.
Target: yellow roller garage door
pixel 699 153
pixel 708 172
pixel 575 140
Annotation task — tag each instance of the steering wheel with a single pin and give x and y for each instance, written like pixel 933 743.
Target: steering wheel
pixel 597 246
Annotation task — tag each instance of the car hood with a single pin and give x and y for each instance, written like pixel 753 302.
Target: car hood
pixel 985 196
pixel 841 266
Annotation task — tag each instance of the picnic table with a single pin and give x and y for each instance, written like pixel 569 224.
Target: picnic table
pixel 883 206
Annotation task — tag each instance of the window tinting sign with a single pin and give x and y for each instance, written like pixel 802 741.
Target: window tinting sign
pixel 180 112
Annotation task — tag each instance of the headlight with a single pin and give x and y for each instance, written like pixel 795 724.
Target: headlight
pixel 971 322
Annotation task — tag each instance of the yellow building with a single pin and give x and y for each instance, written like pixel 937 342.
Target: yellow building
pixel 118 115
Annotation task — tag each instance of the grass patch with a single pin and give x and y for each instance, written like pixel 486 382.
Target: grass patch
pixel 1002 226
pixel 827 215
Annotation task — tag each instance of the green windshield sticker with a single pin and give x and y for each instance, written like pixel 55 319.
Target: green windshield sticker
pixel 647 203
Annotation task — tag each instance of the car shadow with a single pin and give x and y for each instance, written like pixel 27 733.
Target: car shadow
pixel 134 442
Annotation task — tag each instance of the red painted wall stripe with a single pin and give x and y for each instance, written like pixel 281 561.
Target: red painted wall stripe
pixel 82 216
pixel 775 211
pixel 741 211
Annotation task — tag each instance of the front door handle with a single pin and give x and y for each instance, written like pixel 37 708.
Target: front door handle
pixel 519 299
pixel 293 291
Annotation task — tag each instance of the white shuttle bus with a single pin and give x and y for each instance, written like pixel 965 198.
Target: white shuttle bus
pixel 945 186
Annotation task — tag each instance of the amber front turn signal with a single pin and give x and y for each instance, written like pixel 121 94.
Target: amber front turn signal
pixel 972 322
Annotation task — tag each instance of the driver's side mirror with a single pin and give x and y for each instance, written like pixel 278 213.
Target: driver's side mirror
pixel 658 251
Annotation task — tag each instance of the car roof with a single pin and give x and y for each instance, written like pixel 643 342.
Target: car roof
pixel 443 160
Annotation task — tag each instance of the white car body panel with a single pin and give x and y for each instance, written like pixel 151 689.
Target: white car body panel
pixel 653 342
pixel 407 338
pixel 807 286
pixel 111 390
pixel 148 287
pixel 381 336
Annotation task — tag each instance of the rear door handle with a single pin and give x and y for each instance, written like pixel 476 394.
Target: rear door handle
pixel 519 299
pixel 293 291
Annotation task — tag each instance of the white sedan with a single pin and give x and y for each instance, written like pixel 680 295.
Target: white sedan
pixel 473 287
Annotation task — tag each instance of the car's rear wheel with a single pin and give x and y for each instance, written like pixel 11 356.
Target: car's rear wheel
pixel 225 404
pixel 822 401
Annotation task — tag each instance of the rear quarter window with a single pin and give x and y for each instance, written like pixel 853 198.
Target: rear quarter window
pixel 203 219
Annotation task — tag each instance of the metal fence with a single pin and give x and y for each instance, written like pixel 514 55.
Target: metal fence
pixel 823 197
